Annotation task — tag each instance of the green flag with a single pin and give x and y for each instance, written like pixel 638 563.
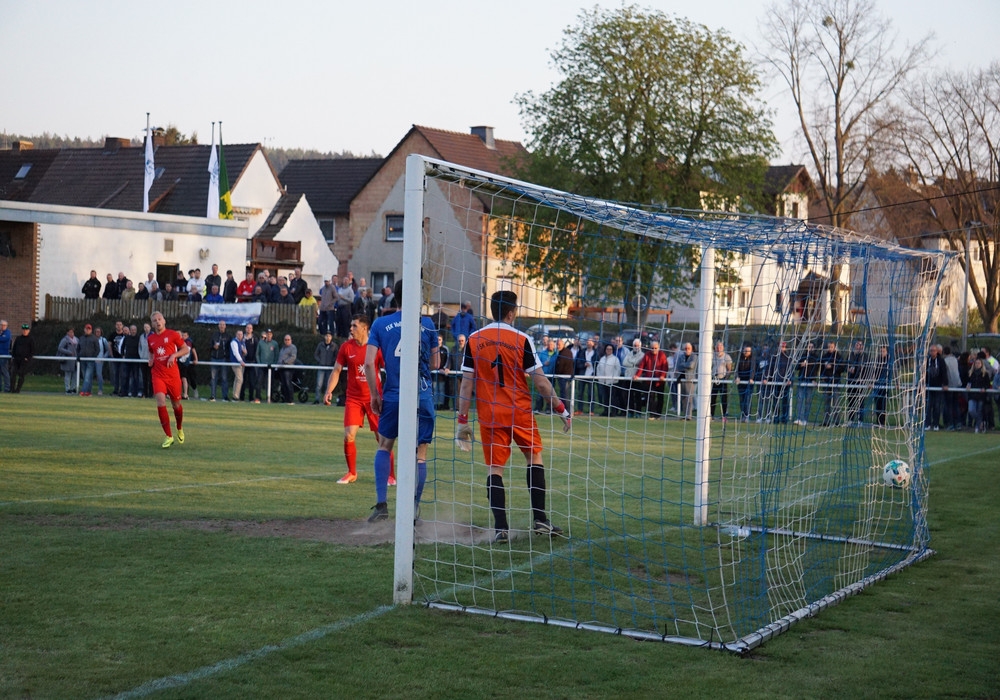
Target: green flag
pixel 225 195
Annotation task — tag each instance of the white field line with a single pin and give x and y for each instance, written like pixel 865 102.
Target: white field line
pixel 182 679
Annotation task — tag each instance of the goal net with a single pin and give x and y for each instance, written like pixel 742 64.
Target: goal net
pixel 712 493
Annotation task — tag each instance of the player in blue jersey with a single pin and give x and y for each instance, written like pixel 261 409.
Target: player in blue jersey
pixel 385 335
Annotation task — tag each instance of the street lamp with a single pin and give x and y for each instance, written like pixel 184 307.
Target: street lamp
pixel 965 290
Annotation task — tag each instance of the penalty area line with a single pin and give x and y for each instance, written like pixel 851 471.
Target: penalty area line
pixel 183 679
pixel 116 494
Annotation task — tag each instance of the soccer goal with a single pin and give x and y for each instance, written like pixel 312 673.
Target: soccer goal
pixel 709 503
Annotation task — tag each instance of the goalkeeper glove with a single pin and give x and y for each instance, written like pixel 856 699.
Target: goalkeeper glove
pixel 463 433
pixel 567 417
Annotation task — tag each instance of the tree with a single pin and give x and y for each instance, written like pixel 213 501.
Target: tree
pixel 172 136
pixel 652 110
pixel 649 109
pixel 949 139
pixel 839 62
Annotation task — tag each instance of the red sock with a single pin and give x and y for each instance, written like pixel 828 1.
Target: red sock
pixel 351 455
pixel 392 466
pixel 164 419
pixel 178 415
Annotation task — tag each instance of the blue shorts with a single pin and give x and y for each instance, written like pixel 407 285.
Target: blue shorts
pixel 388 420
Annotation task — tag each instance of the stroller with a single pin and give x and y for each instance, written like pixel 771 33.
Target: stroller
pixel 300 389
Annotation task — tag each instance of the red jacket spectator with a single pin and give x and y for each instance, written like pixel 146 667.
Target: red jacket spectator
pixel 654 364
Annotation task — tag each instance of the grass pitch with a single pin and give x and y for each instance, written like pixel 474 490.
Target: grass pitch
pixel 202 571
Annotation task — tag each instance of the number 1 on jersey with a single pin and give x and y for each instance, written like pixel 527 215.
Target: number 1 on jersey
pixel 498 366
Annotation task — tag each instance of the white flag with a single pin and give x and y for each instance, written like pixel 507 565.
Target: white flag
pixel 150 168
pixel 212 209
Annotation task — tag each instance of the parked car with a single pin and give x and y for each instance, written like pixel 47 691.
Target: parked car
pixel 647 335
pixel 990 340
pixel 554 331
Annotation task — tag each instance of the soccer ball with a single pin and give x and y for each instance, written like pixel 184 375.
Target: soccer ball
pixel 896 474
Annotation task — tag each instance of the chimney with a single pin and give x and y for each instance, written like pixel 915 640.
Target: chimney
pixel 486 134
pixel 18 146
pixel 113 143
pixel 159 137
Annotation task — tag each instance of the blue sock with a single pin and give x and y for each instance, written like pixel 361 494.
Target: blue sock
pixel 381 475
pixel 421 478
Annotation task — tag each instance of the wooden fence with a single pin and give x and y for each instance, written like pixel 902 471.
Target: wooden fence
pixel 70 309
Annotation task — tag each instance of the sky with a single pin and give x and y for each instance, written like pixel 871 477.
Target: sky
pixel 336 75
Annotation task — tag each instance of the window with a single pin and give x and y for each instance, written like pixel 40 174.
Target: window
pixel 726 296
pixel 944 298
pixel 394 227
pixel 23 171
pixel 166 272
pixel 744 298
pixel 381 280
pixel 795 210
pixel 858 296
pixel 329 229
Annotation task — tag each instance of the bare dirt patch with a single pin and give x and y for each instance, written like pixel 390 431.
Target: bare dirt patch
pixel 342 532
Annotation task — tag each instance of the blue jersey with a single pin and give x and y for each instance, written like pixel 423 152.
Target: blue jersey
pixel 386 333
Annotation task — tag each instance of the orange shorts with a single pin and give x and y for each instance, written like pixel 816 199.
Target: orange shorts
pixel 496 442
pixel 355 412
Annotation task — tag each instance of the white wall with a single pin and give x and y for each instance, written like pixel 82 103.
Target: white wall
pixel 319 262
pixel 75 240
pixel 257 189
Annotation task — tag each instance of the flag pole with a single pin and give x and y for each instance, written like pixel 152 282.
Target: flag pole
pixel 150 170
pixel 212 203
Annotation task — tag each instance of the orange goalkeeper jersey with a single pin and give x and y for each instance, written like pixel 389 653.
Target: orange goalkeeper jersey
pixel 500 357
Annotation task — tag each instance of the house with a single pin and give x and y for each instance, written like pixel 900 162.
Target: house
pixel 762 289
pixel 67 211
pixel 454 269
pixel 330 185
pixel 897 207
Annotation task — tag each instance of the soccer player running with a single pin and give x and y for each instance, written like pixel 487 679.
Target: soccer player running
pixel 351 357
pixel 500 359
pixel 385 336
pixel 165 348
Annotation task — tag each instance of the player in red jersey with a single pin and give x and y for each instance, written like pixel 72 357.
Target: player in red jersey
pixel 165 348
pixel 498 361
pixel 351 357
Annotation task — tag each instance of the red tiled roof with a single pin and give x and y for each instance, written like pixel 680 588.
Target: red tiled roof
pixel 471 151
pixel 912 211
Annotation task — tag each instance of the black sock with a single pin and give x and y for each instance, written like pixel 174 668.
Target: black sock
pixel 536 490
pixel 497 497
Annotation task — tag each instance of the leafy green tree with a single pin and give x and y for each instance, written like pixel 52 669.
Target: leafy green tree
pixel 649 109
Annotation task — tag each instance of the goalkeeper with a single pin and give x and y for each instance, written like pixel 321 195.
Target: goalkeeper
pixel 500 358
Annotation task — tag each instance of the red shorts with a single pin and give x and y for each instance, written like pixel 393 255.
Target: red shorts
pixel 169 385
pixel 355 412
pixel 496 442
